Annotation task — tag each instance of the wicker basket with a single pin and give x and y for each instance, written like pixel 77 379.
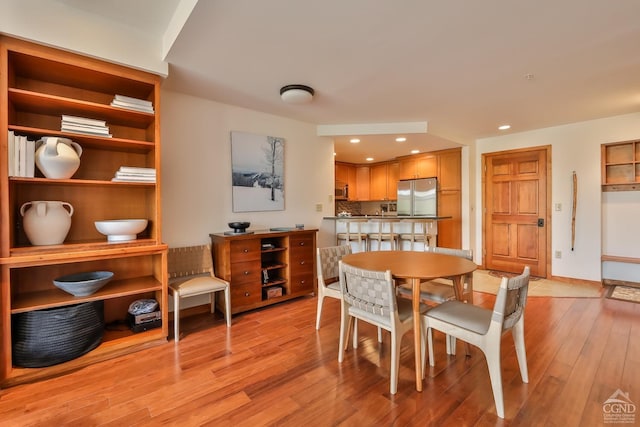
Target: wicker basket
pixel 56 335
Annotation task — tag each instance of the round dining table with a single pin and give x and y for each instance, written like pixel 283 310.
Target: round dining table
pixel 416 267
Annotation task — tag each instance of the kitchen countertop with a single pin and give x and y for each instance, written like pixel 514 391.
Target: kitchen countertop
pixel 435 218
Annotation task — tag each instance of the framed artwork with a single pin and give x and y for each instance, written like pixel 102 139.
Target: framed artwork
pixel 257 167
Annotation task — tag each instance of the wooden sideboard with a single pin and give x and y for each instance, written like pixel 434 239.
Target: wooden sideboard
pixel 265 267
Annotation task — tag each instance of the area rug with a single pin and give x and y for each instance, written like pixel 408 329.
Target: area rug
pixel 484 281
pixel 624 293
pixel 501 274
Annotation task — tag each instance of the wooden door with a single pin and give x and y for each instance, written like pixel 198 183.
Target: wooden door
pixel 516 219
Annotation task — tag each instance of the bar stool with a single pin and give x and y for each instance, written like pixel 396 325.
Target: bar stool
pixel 353 232
pixel 425 235
pixel 382 235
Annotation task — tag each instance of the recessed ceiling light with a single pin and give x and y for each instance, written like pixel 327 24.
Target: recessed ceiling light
pixel 415 151
pixel 354 140
pixel 504 127
pixel 369 159
pixel 401 139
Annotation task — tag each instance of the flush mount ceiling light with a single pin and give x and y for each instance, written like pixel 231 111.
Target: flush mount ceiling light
pixel 354 140
pixel 401 139
pixel 504 127
pixel 296 94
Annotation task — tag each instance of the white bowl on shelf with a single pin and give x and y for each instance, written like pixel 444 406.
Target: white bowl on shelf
pixel 121 230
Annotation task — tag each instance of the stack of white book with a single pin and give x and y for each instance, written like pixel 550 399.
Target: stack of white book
pixel 134 174
pixel 21 156
pixel 85 126
pixel 130 103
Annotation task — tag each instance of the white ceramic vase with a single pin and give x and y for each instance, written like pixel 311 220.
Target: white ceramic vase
pixel 58 158
pixel 46 222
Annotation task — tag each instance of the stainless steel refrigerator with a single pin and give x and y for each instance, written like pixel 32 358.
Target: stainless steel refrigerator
pixel 418 197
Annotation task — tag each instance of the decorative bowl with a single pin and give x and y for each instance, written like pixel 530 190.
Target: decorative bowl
pixel 121 230
pixel 239 227
pixel 83 284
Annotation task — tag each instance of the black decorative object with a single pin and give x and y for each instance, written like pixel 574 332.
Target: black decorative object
pixel 239 227
pixel 56 335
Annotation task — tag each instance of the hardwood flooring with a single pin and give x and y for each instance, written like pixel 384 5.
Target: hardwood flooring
pixel 273 368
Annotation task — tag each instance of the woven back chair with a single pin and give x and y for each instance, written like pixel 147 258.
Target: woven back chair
pixel 191 273
pixel 484 328
pixel 370 296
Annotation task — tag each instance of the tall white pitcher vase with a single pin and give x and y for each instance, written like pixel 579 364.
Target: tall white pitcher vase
pixel 46 222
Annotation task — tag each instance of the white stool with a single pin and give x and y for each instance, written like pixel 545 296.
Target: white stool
pixel 425 235
pixel 353 232
pixel 382 235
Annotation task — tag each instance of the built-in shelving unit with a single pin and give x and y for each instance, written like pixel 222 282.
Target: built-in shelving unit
pixel 621 166
pixel 39 84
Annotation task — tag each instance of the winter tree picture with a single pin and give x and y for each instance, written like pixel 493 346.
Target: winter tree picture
pixel 257 165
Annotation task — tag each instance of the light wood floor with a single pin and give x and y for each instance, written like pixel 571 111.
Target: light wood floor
pixel 273 368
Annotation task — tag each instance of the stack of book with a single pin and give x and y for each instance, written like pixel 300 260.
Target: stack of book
pixel 134 174
pixel 85 126
pixel 130 103
pixel 21 156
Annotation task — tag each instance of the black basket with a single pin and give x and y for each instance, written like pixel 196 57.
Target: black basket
pixel 56 335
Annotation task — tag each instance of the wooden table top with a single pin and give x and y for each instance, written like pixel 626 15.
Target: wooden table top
pixel 412 264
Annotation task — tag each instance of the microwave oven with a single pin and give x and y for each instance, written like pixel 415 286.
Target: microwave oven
pixel 342 191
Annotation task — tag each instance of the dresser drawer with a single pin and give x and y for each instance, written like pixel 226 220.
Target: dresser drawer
pixel 302 283
pixel 301 243
pixel 245 250
pixel 246 272
pixel 245 295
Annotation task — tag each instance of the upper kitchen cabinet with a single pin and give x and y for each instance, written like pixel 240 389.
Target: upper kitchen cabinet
pixel 384 181
pixel 418 166
pixel 346 175
pixel 363 175
pixel 621 166
pixel 449 172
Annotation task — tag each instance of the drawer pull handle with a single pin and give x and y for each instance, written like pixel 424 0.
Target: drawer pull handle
pixel 246 294
pixel 245 250
pixel 301 262
pixel 301 243
pixel 246 273
pixel 302 282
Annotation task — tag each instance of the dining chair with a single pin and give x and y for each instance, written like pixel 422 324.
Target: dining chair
pixel 369 296
pixel 191 273
pixel 440 290
pixel 328 282
pixel 484 328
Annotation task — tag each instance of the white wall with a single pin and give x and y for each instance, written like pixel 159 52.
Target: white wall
pixel 57 24
pixel 575 147
pixel 196 169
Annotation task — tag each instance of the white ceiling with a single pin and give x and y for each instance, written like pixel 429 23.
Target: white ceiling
pixel 459 65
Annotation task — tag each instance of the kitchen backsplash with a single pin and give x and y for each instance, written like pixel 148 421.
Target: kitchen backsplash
pixel 366 208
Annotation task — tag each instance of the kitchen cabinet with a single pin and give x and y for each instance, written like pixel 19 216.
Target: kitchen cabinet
pixel 418 166
pixel 620 166
pixel 449 172
pixel 40 84
pixel 265 267
pixel 363 175
pixel 383 181
pixel 346 174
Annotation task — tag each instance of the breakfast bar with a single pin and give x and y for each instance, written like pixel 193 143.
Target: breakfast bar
pixel 384 232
